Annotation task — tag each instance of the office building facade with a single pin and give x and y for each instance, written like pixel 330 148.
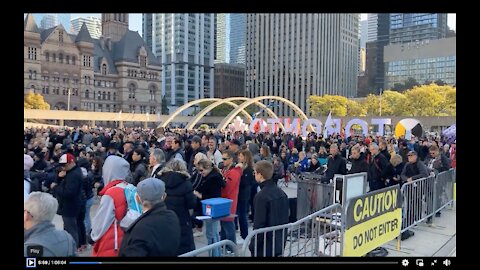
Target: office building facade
pixel 298 55
pixel 230 38
pixel 412 27
pixel 49 20
pixel 425 61
pixel 229 80
pixel 94 26
pixel 184 43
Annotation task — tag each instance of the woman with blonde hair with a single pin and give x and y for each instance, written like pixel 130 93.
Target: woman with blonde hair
pixel 180 199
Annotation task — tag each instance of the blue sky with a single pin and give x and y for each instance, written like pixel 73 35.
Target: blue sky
pixel 135 19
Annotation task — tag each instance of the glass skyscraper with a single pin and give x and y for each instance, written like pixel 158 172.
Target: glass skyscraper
pixel 49 20
pixel 412 27
pixel 184 44
pixel 230 34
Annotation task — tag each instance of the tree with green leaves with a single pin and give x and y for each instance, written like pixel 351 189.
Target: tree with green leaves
pixel 35 101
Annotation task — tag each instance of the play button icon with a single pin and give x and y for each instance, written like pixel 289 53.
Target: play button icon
pixel 31 262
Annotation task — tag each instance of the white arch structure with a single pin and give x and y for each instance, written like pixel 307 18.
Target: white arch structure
pixel 237 109
pixel 228 101
pixel 245 104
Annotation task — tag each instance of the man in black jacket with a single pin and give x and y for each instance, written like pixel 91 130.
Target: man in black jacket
pixel 359 164
pixel 336 164
pixel 271 209
pixel 156 233
pixel 68 191
pixel 379 168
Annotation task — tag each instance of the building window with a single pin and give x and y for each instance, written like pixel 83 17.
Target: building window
pixel 34 74
pixel 60 36
pixel 60 58
pixel 143 61
pixel 67 59
pixel 104 69
pixel 30 75
pixel 54 57
pixel 87 94
pixel 108 95
pixel 114 96
pixel 104 95
pixel 131 91
pixel 47 56
pixel 152 110
pixel 152 92
pixel 73 60
pixel 32 53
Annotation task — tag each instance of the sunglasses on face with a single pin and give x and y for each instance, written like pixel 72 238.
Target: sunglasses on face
pixel 225 158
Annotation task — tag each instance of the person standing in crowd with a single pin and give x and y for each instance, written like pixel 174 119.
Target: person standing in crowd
pixel 336 164
pixel 359 164
pixel 213 153
pixel 156 233
pixel 210 187
pixel 106 231
pixel 39 162
pixel 156 162
pixel 398 164
pixel 379 168
pixel 234 147
pixel 128 151
pixel 196 180
pixel 383 149
pixel 437 162
pixel 271 209
pixel 180 199
pixel 314 164
pixel 38 213
pixel 414 169
pixel 27 165
pixel 284 159
pixel 403 151
pixel 255 150
pixel 196 148
pixel 231 175
pixel 138 166
pixel 177 150
pixel 245 160
pixel 278 171
pixel 68 190
pixel 265 153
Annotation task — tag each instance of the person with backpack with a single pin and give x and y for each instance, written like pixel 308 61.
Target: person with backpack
pixel 156 233
pixel 106 233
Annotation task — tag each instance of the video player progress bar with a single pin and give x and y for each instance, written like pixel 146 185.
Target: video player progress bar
pixel 234 262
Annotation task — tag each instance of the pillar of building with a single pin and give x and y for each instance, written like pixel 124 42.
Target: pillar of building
pixel 61 122
pixel 120 124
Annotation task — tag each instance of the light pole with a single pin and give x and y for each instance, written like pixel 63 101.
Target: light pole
pixel 381 101
pixel 68 104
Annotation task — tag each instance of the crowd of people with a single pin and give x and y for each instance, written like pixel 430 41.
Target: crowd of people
pixel 173 170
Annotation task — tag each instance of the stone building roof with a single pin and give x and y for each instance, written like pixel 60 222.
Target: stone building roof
pixel 29 24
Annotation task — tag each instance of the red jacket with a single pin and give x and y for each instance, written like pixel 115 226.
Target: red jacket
pixel 105 246
pixel 230 191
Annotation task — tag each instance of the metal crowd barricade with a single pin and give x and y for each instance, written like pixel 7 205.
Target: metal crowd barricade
pixel 443 194
pixel 418 198
pixel 205 251
pixel 318 234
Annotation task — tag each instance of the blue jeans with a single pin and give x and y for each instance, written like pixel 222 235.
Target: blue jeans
pixel 88 222
pixel 211 232
pixel 242 212
pixel 228 231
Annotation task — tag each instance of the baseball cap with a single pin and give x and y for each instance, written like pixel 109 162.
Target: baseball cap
pixel 412 153
pixel 151 189
pixel 235 141
pixel 27 162
pixel 66 158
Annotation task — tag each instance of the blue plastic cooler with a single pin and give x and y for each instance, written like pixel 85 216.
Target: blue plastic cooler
pixel 216 207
